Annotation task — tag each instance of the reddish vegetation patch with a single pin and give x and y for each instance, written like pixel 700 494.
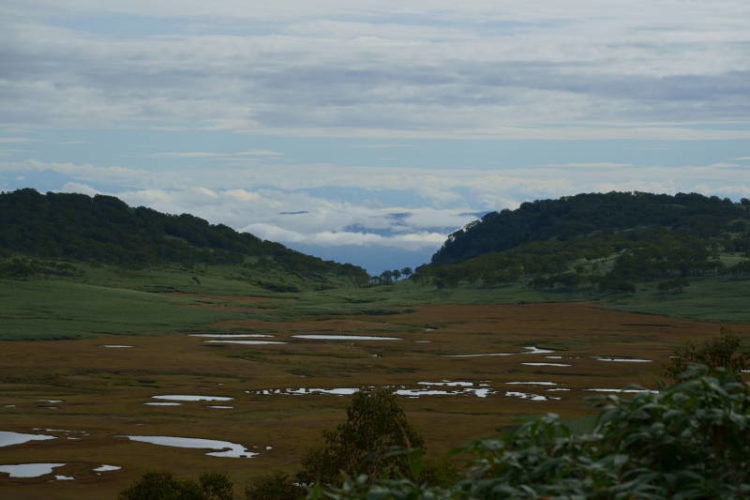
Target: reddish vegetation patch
pixel 103 390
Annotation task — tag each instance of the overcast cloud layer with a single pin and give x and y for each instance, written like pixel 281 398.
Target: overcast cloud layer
pixel 338 127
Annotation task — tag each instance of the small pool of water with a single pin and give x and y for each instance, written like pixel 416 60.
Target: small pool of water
pixel 29 470
pixel 162 403
pixel 8 438
pixel 600 389
pixel 220 407
pixel 190 397
pixel 531 383
pixel 225 449
pixel 623 360
pixel 60 477
pixel 116 346
pixel 537 350
pixel 529 395
pixel 107 468
pixel 480 355
pixel 442 388
pixel 230 335
pixel 480 392
pixel 449 383
pixel 244 342
pixel 339 391
pixel 343 337
pixel 529 350
pixel 546 364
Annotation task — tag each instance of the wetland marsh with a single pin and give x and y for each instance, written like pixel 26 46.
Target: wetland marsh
pixel 473 369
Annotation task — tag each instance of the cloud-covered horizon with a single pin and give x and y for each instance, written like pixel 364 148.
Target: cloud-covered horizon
pixel 383 124
pixel 483 69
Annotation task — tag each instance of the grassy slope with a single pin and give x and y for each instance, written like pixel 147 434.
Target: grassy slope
pixel 124 302
pixel 44 309
pixel 705 299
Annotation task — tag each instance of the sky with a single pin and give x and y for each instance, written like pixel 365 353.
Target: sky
pixel 368 131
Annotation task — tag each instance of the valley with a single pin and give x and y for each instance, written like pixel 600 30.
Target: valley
pixel 461 370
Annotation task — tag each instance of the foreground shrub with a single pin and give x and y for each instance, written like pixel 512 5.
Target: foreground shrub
pixel 723 352
pixel 370 442
pixel 691 440
pixel 277 486
pixel 163 486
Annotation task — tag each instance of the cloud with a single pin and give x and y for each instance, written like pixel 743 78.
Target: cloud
pixel 200 154
pixel 506 69
pixel 77 187
pixel 411 241
pixel 596 165
pixel 14 140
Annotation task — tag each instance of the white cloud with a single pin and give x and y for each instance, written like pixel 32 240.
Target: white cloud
pixel 77 187
pixel 14 140
pixel 202 154
pixel 411 241
pixel 489 69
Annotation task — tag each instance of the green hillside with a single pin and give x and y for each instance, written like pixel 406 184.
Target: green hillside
pixel 57 230
pixel 606 242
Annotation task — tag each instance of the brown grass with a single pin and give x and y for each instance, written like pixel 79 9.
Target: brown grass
pixel 103 390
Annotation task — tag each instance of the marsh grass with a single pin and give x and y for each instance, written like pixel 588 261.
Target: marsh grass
pixel 54 309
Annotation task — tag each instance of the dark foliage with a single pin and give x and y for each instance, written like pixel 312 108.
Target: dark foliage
pixel 104 229
pixel 724 352
pixel 585 242
pixel 584 214
pixel 163 486
pixel 276 486
pixel 690 440
pixel 371 442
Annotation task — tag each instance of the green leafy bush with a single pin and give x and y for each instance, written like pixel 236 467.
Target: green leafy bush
pixel 723 352
pixel 364 444
pixel 690 440
pixel 163 486
pixel 276 486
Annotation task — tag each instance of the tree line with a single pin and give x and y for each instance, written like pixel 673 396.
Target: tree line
pixel 104 229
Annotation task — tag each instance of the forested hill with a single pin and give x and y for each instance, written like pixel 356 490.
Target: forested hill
pixel 607 241
pixel 585 214
pixel 104 229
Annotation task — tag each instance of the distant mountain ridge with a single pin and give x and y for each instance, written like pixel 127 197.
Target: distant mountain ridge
pixel 104 229
pixel 582 214
pixel 598 238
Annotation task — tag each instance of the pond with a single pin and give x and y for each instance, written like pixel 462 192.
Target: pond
pixel 10 438
pixel 623 360
pixel 190 397
pixel 529 350
pixel 446 388
pixel 600 389
pixel 546 364
pixel 338 391
pixel 30 470
pixel 225 449
pixel 342 337
pixel 244 342
pixel 528 395
pixel 230 335
pixel 107 468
